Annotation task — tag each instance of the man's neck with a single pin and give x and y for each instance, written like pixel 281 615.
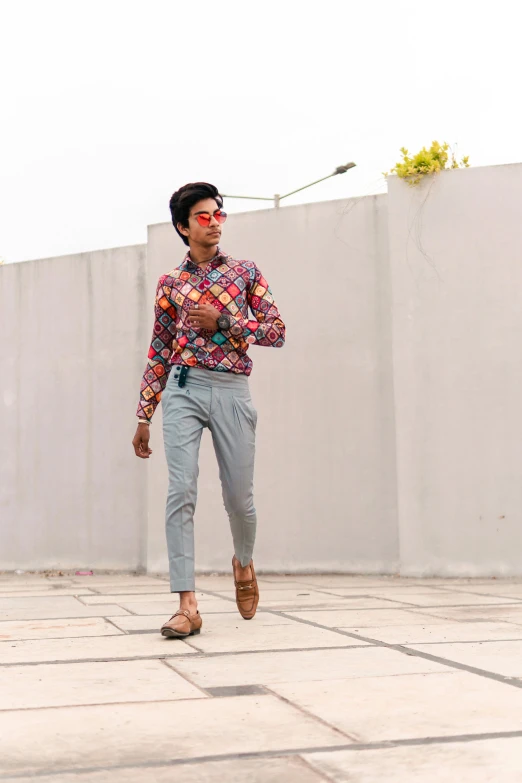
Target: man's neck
pixel 201 256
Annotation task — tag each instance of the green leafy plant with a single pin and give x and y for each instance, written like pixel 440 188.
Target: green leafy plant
pixel 428 161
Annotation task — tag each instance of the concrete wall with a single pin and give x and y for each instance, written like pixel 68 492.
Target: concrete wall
pixel 325 462
pixel 390 433
pixel 456 258
pixel 71 492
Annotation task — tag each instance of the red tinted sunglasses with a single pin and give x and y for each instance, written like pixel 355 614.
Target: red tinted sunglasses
pixel 203 218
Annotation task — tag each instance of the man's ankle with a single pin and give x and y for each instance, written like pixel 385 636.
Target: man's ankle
pixel 188 602
pixel 243 571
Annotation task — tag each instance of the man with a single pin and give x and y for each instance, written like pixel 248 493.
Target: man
pixel 198 365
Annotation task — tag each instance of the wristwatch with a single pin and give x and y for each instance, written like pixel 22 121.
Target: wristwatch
pixel 224 323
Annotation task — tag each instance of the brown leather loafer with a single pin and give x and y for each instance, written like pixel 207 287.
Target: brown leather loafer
pixel 182 624
pixel 247 593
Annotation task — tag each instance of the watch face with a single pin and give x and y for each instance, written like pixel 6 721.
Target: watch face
pixel 224 322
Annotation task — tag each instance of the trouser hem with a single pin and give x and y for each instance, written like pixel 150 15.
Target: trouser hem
pixel 244 561
pixel 181 586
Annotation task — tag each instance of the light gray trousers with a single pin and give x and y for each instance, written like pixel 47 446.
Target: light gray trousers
pixel 220 401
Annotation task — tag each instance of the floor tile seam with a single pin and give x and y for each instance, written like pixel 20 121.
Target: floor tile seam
pixel 398 607
pixel 510 622
pixel 193 644
pixel 310 715
pixel 185 677
pixel 111 622
pixel 380 586
pixel 462 641
pixel 408 606
pixel 418 612
pixel 467 606
pixel 134 702
pixel 222 653
pixel 109 603
pixel 75 617
pixel 412 652
pixel 195 655
pixel 320 773
pixel 32 590
pixel 443 589
pixel 217 691
pixel 155 614
pixel 366 596
pixel 64 638
pixel 282 753
pixel 289 623
pixel 116 659
pixel 287 607
pixel 78 598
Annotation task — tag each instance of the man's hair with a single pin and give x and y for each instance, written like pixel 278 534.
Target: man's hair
pixel 184 199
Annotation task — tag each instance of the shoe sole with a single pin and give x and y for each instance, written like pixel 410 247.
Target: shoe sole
pixel 171 634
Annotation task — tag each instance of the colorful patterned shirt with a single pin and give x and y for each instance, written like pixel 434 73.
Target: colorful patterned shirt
pixel 232 287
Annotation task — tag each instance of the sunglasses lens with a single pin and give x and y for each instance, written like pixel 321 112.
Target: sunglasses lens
pixel 203 219
pixel 220 216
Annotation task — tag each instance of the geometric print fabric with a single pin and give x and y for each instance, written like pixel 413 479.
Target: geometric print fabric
pixel 230 286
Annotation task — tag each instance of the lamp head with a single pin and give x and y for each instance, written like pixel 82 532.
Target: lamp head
pixel 343 169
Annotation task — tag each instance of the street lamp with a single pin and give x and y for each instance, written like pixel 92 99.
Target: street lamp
pixel 277 198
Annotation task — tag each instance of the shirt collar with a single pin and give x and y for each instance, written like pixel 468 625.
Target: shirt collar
pixel 188 264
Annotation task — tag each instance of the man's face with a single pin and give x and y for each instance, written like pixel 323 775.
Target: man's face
pixel 206 235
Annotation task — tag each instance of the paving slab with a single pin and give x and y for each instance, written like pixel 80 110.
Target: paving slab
pixel 58 685
pixel 242 636
pixel 306 665
pixel 492 612
pixel 99 648
pixel 147 706
pixel 289 769
pixel 500 657
pixel 358 581
pixel 104 736
pixel 34 612
pixel 452 632
pixel 115 591
pixel 168 606
pixel 512 590
pixel 118 579
pixel 334 579
pixel 64 603
pixel 410 706
pixel 9 588
pixel 39 594
pixel 211 621
pixel 353 618
pixel 303 598
pixel 56 629
pixel 50 613
pixel 439 598
pixel 488 761
pixel 141 596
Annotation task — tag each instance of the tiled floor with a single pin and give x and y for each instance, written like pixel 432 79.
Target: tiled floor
pixel 338 678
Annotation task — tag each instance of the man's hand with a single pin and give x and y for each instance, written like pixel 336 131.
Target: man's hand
pixel 141 441
pixel 204 316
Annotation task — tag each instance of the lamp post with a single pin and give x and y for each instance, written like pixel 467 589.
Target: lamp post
pixel 277 198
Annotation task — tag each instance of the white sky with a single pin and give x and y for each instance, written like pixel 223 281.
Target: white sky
pixel 108 106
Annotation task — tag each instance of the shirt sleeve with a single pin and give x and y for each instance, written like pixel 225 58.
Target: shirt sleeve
pixel 158 367
pixel 268 329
